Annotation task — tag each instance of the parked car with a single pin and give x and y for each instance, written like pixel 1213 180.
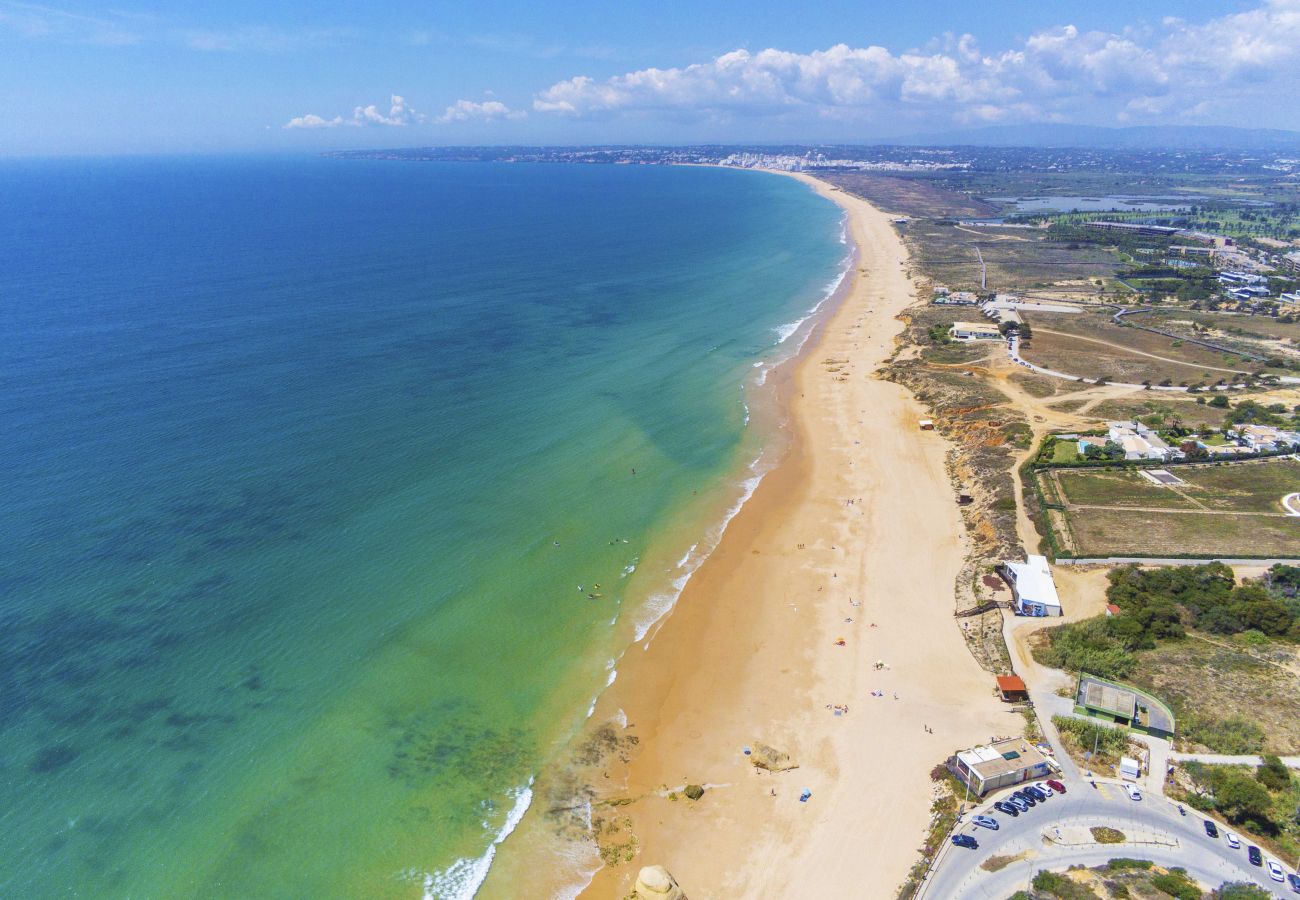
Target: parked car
pixel 1233 841
pixel 1056 785
pixel 965 840
pixel 1037 794
pixel 1026 798
pixel 1044 787
pixel 1018 803
pixel 1004 807
pixel 1274 870
pixel 1211 829
pixel 1256 858
pixel 987 822
pixel 1133 792
pixel 1294 881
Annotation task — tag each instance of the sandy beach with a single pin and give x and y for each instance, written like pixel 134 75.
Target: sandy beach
pixel 855 536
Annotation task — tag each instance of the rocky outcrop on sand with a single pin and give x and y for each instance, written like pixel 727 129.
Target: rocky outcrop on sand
pixel 769 758
pixel 654 883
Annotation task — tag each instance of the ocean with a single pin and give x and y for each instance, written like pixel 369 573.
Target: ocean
pixel 333 489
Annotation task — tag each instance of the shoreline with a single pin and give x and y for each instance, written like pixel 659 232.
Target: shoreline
pixel 748 653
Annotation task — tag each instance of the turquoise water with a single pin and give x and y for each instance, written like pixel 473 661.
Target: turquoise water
pixel 305 462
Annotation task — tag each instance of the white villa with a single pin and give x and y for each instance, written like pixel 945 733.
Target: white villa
pixel 1139 441
pixel 974 331
pixel 1264 438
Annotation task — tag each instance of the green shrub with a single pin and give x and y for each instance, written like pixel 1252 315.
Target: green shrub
pixel 1274 774
pixel 1059 886
pixel 1120 863
pixel 1176 884
pixel 1090 734
pixel 1239 890
pixel 1093 645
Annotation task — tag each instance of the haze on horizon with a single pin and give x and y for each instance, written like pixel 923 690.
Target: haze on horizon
pixel 156 76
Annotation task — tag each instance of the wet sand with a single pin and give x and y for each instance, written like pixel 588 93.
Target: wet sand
pixel 861 511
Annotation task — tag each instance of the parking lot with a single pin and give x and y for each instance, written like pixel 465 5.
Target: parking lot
pixel 1056 834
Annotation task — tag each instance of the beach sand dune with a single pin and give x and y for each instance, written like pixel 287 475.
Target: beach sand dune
pixel 858 523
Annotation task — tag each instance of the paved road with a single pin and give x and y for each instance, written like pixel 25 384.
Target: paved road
pixel 1171 561
pixel 1170 839
pixel 1291 762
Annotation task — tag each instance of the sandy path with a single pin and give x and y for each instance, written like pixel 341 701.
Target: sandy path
pixel 749 653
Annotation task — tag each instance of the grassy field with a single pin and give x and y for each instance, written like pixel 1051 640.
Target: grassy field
pixel 1116 488
pixel 1221 509
pixel 1125 532
pixel 1249 487
pixel 1246 487
pixel 1065 452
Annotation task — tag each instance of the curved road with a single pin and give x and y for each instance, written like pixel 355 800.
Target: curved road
pixel 1013 351
pixel 1168 839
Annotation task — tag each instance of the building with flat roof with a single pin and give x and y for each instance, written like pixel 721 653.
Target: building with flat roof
pixel 1032 587
pixel 1123 704
pixel 1133 228
pixel 1000 764
pixel 974 331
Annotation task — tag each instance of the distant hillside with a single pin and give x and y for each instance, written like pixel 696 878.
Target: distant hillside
pixel 1199 137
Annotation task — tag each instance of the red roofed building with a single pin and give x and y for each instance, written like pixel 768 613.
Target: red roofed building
pixel 1012 688
pixel 1112 609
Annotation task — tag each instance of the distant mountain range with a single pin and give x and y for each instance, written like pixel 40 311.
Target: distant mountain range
pixel 1197 137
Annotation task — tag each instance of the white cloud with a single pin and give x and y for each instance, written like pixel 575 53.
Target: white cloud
pixel 399 114
pixel 470 111
pixel 1054 73
pixel 311 120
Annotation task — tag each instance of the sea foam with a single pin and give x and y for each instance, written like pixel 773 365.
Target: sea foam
pixel 462 879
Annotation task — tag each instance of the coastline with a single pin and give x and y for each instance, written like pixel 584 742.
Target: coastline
pixel 860 511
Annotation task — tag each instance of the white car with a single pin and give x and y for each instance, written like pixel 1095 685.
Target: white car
pixel 1042 786
pixel 1233 841
pixel 1274 870
pixel 1133 792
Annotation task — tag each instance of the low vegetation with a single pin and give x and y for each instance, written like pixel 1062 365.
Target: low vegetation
pixel 1223 655
pixel 1092 744
pixel 1056 884
pixel 1124 878
pixel 1103 834
pixel 1163 604
pixel 1264 800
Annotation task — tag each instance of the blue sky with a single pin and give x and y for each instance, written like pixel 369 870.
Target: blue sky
pixel 160 76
